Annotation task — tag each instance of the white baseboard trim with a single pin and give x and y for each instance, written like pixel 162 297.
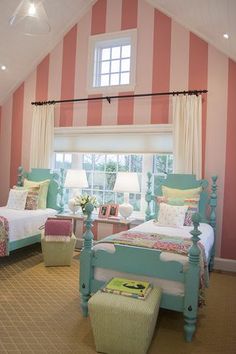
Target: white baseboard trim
pixel 228 265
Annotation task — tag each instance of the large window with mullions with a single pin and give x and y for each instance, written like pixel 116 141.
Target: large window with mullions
pixel 101 170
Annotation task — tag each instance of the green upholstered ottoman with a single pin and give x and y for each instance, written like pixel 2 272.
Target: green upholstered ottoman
pixel 121 324
pixel 57 253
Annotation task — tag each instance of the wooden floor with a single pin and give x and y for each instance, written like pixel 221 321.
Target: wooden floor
pixel 40 313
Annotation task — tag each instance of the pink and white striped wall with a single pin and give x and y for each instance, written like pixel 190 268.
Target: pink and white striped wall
pixel 169 57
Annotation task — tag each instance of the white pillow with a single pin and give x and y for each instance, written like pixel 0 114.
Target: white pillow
pixel 171 215
pixel 17 199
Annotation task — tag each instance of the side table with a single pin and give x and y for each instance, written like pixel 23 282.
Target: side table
pixel 102 227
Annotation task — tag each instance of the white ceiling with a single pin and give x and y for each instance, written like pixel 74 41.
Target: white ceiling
pixel 20 53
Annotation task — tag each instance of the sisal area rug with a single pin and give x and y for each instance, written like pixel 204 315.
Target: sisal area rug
pixel 40 312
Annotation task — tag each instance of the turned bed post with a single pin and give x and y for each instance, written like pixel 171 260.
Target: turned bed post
pixel 148 197
pixel 192 282
pixel 213 203
pixel 86 260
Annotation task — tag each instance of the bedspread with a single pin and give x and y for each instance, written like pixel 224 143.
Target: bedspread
pixel 166 243
pixel 4 233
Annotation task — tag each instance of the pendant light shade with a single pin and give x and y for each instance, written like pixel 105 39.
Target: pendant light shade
pixel 30 18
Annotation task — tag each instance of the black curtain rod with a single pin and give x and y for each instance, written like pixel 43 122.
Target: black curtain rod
pixel 108 98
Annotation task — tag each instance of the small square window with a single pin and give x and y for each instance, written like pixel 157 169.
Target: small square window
pixel 112 60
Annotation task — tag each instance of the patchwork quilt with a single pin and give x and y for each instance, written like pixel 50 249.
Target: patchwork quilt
pixel 165 243
pixel 4 232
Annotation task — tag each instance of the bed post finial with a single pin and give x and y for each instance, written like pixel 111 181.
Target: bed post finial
pixel 88 235
pixel 148 197
pixel 213 204
pixel 20 176
pixel 192 282
pixel 85 260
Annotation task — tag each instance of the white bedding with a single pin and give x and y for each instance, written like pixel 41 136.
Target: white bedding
pixel 25 223
pixel 170 287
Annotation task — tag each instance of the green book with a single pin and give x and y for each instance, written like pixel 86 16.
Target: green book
pixel 128 287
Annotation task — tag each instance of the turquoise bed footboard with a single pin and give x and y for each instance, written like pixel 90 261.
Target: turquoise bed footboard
pixel 147 262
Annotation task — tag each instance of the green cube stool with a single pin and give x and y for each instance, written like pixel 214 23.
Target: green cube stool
pixel 57 253
pixel 121 324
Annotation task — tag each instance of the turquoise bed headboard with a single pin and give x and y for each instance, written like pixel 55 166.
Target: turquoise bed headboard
pixel 181 181
pixel 55 189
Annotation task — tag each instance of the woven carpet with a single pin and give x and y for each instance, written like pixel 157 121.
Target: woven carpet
pixel 40 312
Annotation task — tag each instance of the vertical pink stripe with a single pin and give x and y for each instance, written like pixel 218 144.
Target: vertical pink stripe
pixel 0 120
pixel 68 77
pixel 125 109
pixel 81 69
pixel 16 132
pixel 54 81
pixel 125 112
pixel 29 96
pixel 42 80
pixel 161 67
pixel 5 150
pixel 94 111
pixel 228 249
pixel 216 128
pixel 98 25
pixel 179 61
pixel 198 65
pixel 129 14
pixel 142 106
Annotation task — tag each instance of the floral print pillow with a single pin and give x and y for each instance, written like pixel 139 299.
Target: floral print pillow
pixel 171 215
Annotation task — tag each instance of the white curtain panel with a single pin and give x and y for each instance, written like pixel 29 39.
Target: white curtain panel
pixel 42 136
pixel 187 134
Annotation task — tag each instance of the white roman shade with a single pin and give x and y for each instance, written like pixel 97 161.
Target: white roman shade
pixel 115 139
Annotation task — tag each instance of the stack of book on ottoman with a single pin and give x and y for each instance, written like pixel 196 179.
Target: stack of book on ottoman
pixel 132 288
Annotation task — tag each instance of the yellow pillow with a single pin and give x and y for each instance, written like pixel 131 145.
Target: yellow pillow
pixel 43 191
pixel 181 193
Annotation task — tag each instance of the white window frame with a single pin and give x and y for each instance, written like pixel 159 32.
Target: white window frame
pixel 152 138
pixel 111 39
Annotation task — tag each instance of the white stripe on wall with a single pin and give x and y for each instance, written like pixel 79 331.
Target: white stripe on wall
pixel 144 61
pixel 29 96
pixel 216 127
pixel 5 150
pixel 113 24
pixel 54 80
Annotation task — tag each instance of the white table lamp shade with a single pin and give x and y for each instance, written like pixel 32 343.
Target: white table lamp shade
pixel 127 182
pixel 76 179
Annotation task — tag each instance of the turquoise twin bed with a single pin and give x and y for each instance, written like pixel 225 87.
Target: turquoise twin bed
pixel 181 274
pixel 24 225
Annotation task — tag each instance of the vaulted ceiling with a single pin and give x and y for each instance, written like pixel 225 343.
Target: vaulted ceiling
pixel 209 19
